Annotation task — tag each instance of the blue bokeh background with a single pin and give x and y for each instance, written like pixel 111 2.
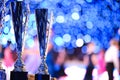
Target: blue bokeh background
pixel 76 22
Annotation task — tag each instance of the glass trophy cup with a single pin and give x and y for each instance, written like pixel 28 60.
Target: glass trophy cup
pixel 19 72
pixel 41 20
pixel 2 13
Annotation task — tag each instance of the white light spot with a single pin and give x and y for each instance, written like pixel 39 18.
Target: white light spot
pixel 74 73
pixel 30 43
pixel 59 41
pixel 4 40
pixel 75 16
pixel 89 25
pixel 79 42
pixel 60 19
pixel 7 17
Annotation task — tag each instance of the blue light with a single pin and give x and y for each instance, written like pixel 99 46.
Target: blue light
pixel 80 1
pixel 45 4
pixel 27 1
pixel 84 18
pixel 106 13
pixel 66 38
pixel 57 29
pixel 6 30
pixel 59 41
pixel 73 43
pixel 79 35
pixel 76 18
pixel 4 40
pixel 100 24
pixel 89 1
pixel 97 49
pixel 30 43
pixel 32 17
pixel 89 25
pixel 66 2
pixel 84 49
pixel 67 45
pixel 87 38
pixel 76 8
pixel 70 51
pixel 19 0
pixel 37 0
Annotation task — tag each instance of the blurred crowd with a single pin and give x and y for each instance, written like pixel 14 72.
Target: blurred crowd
pixel 68 63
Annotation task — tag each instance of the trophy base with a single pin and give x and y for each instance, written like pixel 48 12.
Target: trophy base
pixel 2 74
pixel 42 77
pixel 19 75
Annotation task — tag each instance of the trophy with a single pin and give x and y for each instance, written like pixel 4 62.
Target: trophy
pixel 2 14
pixel 19 72
pixel 41 20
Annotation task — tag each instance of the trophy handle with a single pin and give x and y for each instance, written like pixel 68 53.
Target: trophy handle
pixel 49 30
pixel 27 13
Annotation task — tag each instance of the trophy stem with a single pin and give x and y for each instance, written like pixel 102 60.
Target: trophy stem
pixel 43 69
pixel 19 66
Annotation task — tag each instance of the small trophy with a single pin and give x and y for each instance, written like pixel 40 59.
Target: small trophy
pixel 41 20
pixel 17 17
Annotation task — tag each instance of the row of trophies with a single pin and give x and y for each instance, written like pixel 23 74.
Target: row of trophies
pixel 41 15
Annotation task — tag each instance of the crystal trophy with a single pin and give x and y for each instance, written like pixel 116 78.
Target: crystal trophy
pixel 41 20
pixel 19 72
pixel 2 13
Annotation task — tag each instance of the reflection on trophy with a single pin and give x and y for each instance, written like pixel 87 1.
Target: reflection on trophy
pixel 17 17
pixel 2 15
pixel 41 20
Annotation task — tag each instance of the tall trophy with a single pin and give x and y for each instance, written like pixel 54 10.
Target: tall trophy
pixel 19 72
pixel 2 14
pixel 41 20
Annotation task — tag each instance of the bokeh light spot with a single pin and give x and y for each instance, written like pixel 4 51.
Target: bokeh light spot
pixel 79 42
pixel 66 38
pixel 75 16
